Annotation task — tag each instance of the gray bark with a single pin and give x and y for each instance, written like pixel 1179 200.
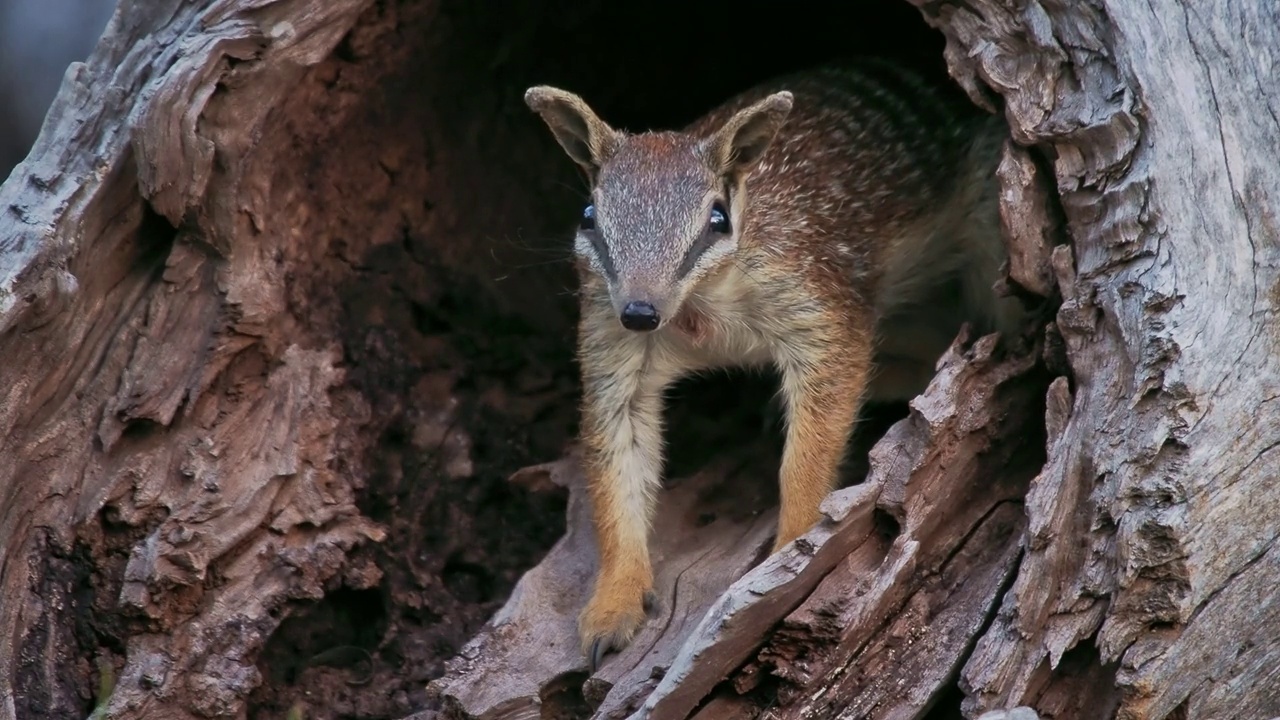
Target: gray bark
pixel 1152 526
pixel 38 38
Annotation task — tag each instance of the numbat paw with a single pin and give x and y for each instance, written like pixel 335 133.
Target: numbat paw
pixel 784 539
pixel 610 621
pixel 780 541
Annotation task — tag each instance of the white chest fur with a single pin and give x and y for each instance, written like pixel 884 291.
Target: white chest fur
pixel 726 323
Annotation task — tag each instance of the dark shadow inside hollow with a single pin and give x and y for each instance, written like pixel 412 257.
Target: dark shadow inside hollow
pixel 438 213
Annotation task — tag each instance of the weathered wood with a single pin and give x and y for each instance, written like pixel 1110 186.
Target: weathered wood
pixel 1153 514
pixel 706 536
pixel 226 354
pixel 904 660
pixel 1027 217
pixel 931 473
pixel 894 639
pixel 733 626
pixel 132 404
pixel 947 474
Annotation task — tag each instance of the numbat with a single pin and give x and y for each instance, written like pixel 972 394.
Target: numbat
pixel 839 224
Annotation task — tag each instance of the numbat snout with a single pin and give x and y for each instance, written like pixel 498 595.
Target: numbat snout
pixel 838 224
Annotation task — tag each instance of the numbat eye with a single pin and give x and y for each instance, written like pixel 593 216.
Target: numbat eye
pixel 719 219
pixel 588 221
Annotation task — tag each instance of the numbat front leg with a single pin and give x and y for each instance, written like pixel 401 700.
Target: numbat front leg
pixel 823 379
pixel 623 458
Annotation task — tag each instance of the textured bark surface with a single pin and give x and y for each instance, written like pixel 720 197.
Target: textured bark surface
pixel 247 374
pixel 283 313
pixel 900 577
pixel 1152 526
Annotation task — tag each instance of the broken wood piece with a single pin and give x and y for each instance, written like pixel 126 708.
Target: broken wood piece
pixel 736 623
pixel 960 460
pixel 943 470
pixel 906 654
pixel 709 529
pixel 1031 227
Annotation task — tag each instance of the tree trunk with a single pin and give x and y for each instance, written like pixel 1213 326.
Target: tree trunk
pixel 283 313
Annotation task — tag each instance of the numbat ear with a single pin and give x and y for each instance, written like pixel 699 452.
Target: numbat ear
pixel 585 137
pixel 740 144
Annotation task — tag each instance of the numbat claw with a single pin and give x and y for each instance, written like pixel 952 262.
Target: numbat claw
pixel 598 649
pixel 604 626
pixel 650 603
pixel 601 645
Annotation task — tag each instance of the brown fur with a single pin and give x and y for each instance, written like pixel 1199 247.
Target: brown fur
pixel 864 231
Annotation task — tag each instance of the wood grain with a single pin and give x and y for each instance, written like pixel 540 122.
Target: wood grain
pixel 943 477
pixel 1161 122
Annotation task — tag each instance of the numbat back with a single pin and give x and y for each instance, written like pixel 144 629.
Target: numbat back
pixel 838 224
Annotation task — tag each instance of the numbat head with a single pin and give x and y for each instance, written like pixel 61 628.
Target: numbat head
pixel 666 207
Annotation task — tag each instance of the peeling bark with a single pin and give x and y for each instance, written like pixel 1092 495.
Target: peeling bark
pixel 1150 113
pixel 220 370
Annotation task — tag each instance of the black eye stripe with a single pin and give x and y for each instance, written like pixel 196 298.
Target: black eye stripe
pixel 716 228
pixel 699 247
pixel 602 251
pixel 587 225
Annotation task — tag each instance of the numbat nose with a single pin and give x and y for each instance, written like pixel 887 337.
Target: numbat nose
pixel 639 316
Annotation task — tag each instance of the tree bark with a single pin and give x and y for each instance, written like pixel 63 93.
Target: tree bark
pixel 228 365
pixel 236 387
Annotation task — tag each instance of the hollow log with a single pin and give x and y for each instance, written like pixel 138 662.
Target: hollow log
pixel 287 399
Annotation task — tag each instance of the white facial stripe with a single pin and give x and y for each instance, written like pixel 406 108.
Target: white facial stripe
pixel 583 247
pixel 737 206
pixel 714 254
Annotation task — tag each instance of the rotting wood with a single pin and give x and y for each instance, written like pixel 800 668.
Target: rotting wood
pixel 705 537
pixel 903 666
pixel 928 473
pixel 960 540
pixel 734 625
pixel 112 320
pixel 215 269
pixel 1027 218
